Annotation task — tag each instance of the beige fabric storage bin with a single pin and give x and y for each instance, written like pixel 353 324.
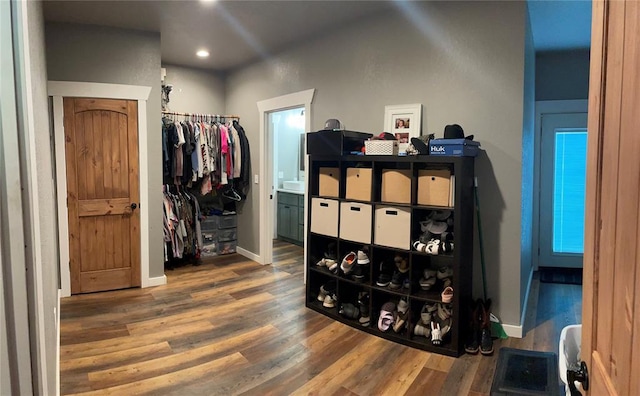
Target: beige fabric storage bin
pixel 393 227
pixel 359 184
pixel 324 216
pixel 396 185
pixel 434 187
pixel 329 183
pixel 355 222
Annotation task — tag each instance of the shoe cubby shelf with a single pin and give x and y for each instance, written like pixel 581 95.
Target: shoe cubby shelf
pixel 381 205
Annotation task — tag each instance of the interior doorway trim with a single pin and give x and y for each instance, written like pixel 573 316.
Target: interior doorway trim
pixel 60 89
pixel 546 107
pixel 284 102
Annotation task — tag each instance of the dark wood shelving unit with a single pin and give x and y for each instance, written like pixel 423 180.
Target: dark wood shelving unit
pixel 460 260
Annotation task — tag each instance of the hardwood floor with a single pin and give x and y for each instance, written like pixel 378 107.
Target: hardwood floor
pixel 232 326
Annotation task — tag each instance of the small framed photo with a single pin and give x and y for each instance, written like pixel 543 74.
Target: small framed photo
pixel 404 121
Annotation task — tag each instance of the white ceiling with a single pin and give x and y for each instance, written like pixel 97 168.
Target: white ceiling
pixel 237 32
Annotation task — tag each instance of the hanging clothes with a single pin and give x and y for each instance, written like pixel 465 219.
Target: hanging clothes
pixel 207 156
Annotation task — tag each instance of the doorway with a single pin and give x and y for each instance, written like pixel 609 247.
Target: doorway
pixel 288 130
pixel 59 90
pixel 298 100
pixel 562 189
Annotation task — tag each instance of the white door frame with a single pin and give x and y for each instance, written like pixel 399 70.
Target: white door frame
pixel 546 107
pixel 61 89
pixel 297 99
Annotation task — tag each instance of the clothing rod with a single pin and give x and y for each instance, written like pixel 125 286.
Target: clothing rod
pixel 201 115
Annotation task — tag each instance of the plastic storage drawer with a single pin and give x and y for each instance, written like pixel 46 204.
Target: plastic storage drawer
pixel 223 235
pixel 219 222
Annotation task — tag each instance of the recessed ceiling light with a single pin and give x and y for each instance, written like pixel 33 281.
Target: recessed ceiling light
pixel 202 53
pixel 207 1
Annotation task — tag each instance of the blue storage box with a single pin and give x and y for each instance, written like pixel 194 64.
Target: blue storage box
pixel 454 147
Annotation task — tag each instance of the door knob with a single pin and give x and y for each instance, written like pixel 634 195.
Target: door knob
pixel 581 375
pixel 134 206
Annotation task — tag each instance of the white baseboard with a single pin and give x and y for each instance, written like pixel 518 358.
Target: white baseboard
pixel 512 330
pixel 156 281
pixel 248 254
pixel 518 331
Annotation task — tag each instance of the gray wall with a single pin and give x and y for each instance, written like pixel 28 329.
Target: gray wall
pixel 463 61
pixel 107 55
pixel 528 137
pixel 562 75
pixel 195 90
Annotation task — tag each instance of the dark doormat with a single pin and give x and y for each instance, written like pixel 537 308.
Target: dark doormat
pixel 521 372
pixel 570 276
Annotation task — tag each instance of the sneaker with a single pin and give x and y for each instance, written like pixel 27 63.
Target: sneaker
pixel 384 278
pixel 349 311
pixel 357 274
pixel 447 294
pixel 422 330
pixel 397 280
pixel 433 247
pixel 363 305
pixel 403 313
pixel 387 318
pixel 329 287
pixel 401 264
pixel 428 279
pixel 444 272
pixel 426 314
pixel 330 301
pixel 347 262
pixel 363 259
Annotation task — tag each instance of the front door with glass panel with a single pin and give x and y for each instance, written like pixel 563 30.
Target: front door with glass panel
pixel 562 189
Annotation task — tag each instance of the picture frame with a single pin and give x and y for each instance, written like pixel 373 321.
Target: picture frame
pixel 404 122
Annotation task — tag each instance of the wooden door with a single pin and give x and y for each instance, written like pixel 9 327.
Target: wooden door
pixel 611 293
pixel 101 138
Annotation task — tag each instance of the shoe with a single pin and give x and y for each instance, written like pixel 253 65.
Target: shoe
pixel 325 262
pixel 426 314
pixel 330 301
pixel 436 334
pixel 428 279
pixel 447 294
pixel 444 272
pixel 486 342
pixel 363 305
pixel 387 318
pixel 472 345
pixel 433 247
pixel 347 262
pixel 383 280
pixel 421 330
pixel 349 311
pixel 401 264
pixel 384 277
pixel 446 242
pixel 403 313
pixel 397 280
pixel 407 283
pixel 357 273
pixel 363 259
pixel 327 288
